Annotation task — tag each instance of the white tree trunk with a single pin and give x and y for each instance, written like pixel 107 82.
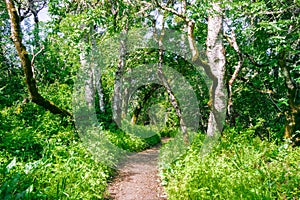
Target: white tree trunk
pixel 89 80
pixel 216 59
pixel 99 89
pixel 91 67
pixel 117 98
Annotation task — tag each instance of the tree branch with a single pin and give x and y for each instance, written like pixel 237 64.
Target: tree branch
pixel 166 84
pixel 233 43
pixel 36 54
pixel 172 11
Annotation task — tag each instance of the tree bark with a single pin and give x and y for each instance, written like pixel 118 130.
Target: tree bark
pixel 165 83
pixel 215 69
pixel 26 63
pixel 117 98
pixel 89 79
pixel 99 89
pixel 93 77
pixel 293 114
pixel 216 59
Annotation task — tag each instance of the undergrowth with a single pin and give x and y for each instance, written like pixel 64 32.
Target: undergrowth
pixel 42 156
pixel 239 167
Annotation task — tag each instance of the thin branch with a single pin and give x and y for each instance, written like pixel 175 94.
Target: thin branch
pixel 33 59
pixel 253 61
pixel 145 7
pixel 166 84
pixel 183 7
pixel 172 11
pixel 35 55
pixel 247 81
pixel 272 100
pixel 233 43
pixel 191 40
pixel 268 92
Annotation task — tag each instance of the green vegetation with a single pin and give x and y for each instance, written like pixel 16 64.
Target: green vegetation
pixel 250 54
pixel 239 167
pixel 42 157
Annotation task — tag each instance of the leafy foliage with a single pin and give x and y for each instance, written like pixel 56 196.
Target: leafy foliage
pixel 42 157
pixel 240 167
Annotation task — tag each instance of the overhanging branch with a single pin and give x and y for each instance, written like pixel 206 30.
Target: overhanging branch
pixel 27 64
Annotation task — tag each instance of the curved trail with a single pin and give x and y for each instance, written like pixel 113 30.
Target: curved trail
pixel 137 178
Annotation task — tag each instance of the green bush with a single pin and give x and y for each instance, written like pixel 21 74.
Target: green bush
pixel 42 156
pixel 239 167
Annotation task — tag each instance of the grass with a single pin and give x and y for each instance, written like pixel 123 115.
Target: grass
pixel 42 157
pixel 239 167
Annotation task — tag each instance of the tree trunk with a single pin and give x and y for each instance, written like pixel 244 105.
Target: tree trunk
pixel 99 89
pixel 216 59
pixel 165 83
pixel 293 114
pixel 89 79
pixel 26 63
pixel 117 98
pixel 91 67
pixel 215 69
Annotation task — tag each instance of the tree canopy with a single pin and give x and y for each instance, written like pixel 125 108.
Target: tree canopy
pixel 197 71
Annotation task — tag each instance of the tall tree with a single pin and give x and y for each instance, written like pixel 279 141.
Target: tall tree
pixel 166 84
pixel 216 59
pixel 215 69
pixel 119 113
pixel 268 34
pixel 16 35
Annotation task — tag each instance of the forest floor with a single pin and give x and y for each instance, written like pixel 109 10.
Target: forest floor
pixel 138 178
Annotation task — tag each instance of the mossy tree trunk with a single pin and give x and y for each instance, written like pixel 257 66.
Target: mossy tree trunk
pixel 27 64
pixel 293 113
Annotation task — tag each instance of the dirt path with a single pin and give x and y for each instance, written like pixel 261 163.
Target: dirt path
pixel 138 179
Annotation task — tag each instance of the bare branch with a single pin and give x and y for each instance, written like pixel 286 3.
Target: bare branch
pixel 183 7
pixel 144 8
pixel 166 84
pixel 233 43
pixel 35 55
pixel 172 11
pixel 33 58
pixel 191 39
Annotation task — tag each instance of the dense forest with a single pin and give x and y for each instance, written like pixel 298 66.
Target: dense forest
pixel 85 83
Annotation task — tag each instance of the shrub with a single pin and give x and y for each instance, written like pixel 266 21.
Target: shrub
pixel 240 167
